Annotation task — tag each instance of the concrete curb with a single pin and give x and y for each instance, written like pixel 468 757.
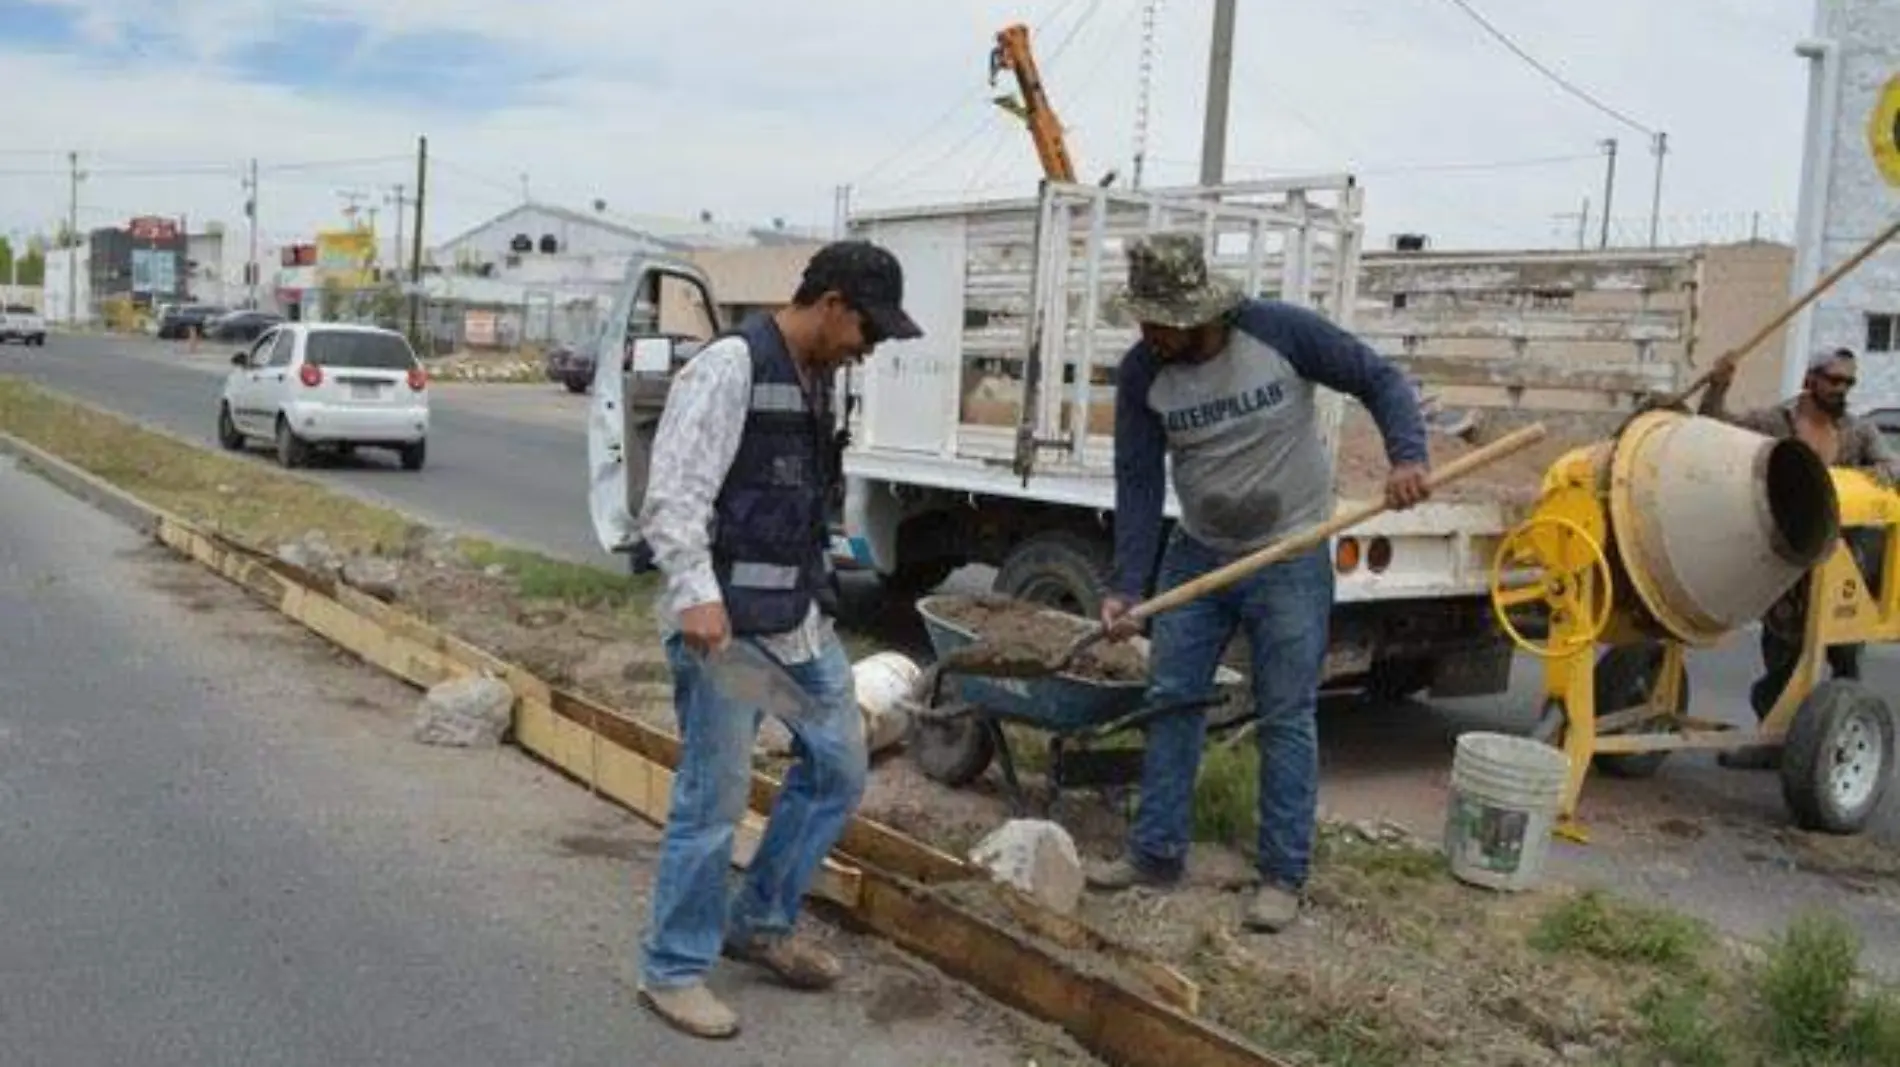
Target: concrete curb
pixel 84 484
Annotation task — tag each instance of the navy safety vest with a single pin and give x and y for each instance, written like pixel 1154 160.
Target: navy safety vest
pixel 771 535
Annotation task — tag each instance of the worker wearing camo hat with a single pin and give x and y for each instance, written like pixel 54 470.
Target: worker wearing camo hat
pixel 1224 387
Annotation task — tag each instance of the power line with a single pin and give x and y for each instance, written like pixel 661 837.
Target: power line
pixel 1563 83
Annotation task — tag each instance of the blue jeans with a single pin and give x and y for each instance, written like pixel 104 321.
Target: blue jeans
pixel 691 915
pixel 1284 611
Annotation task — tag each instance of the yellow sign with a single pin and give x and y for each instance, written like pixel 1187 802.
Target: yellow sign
pixel 1883 131
pixel 347 256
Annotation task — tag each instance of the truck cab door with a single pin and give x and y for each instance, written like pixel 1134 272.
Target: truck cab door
pixel 663 314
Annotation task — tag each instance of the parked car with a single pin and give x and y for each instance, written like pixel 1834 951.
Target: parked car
pixel 182 320
pixel 327 386
pixel 571 366
pixel 241 325
pixel 21 323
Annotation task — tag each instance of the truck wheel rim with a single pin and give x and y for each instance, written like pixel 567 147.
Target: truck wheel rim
pixel 1854 762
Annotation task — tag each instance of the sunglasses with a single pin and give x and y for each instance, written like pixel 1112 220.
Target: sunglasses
pixel 1845 381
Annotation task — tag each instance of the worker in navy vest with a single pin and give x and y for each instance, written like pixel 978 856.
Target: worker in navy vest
pixel 744 466
pixel 1224 389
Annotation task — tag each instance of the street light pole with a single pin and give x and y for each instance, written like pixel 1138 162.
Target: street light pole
pixel 1220 71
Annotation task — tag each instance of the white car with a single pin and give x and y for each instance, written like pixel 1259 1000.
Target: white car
pixel 305 386
pixel 21 323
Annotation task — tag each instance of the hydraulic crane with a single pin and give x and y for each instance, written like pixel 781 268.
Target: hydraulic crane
pixel 1012 53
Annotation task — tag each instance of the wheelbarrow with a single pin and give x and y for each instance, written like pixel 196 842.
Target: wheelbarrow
pixel 956 732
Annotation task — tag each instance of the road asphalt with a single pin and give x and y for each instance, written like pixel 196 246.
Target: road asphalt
pixel 220 846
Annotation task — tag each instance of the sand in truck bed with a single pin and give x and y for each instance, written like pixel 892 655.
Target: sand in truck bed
pixel 1513 481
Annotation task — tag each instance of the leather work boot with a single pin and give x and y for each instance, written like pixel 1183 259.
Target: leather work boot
pixel 1272 910
pixel 797 962
pixel 1113 876
pixel 692 1009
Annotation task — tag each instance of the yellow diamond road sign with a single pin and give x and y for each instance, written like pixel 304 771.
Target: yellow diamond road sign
pixel 1883 131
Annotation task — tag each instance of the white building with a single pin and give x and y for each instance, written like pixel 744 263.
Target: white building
pixel 69 286
pixel 1850 190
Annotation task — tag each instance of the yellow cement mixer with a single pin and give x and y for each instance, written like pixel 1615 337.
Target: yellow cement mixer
pixel 1673 535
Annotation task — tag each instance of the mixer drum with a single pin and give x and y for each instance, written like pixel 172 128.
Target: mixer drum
pixel 1714 523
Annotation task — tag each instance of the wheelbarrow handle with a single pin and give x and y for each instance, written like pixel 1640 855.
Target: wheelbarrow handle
pixel 1293 545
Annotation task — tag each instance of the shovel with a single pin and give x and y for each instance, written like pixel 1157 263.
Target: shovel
pixel 751 676
pixel 988 659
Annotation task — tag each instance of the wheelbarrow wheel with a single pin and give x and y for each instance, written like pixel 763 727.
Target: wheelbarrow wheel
pixel 1839 757
pixel 950 744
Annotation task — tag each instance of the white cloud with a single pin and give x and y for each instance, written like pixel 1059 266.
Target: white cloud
pixel 753 109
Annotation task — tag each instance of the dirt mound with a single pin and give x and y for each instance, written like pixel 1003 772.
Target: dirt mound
pixel 1018 632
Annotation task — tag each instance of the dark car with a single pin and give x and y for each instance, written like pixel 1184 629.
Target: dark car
pixel 572 366
pixel 184 320
pixel 242 325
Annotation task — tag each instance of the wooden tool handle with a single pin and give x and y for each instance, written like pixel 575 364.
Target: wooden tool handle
pixel 1788 313
pixel 1293 545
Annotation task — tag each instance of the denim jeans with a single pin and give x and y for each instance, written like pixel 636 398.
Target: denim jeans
pixel 1284 611
pixel 691 915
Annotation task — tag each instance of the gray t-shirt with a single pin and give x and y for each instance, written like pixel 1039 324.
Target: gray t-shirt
pixel 1243 431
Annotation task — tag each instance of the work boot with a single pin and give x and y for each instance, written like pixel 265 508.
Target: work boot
pixel 1113 876
pixel 796 961
pixel 1751 758
pixel 692 1009
pixel 1272 909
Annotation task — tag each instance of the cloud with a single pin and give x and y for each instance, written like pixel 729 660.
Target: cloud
pixel 753 110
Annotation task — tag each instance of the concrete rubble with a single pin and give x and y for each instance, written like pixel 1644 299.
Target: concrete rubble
pixel 473 711
pixel 1036 857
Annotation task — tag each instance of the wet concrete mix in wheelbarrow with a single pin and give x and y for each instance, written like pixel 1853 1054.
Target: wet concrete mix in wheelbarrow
pixel 1013 632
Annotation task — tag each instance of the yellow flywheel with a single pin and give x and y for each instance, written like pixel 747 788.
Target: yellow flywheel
pixel 1553 561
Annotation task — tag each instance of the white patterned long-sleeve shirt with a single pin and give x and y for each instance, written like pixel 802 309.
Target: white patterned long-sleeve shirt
pixel 693 448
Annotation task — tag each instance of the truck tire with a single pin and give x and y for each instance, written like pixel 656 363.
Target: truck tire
pixel 1625 677
pixel 1058 569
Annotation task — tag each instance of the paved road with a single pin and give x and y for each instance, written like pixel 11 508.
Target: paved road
pixel 219 846
pixel 519 478
pixel 511 460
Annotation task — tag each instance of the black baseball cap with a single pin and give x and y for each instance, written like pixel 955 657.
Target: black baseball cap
pixel 870 279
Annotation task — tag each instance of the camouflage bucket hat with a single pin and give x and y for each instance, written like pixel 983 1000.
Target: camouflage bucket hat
pixel 1169 283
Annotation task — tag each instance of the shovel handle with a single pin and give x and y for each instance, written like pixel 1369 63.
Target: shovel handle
pixel 1216 580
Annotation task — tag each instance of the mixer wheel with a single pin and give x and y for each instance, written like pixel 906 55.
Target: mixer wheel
pixel 1839 757
pixel 1572 583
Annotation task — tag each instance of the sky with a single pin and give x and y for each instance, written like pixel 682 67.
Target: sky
pixel 755 110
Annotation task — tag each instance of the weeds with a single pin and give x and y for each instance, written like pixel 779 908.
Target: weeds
pixel 1813 1011
pixel 537 577
pixel 1225 810
pixel 1596 925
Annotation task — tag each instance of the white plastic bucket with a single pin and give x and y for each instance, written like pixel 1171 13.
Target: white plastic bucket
pixel 1505 795
pixel 882 683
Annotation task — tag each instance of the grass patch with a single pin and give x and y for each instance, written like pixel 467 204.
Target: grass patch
pixel 261 506
pixel 1595 924
pixel 1813 1010
pixel 1225 791
pixel 537 577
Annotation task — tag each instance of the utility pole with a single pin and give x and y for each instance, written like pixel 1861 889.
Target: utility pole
pixel 1220 70
pixel 251 270
pixel 525 197
pixel 415 261
pixel 1609 189
pixel 840 212
pixel 1661 147
pixel 1144 86
pixel 72 245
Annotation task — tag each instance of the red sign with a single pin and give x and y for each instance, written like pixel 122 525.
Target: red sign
pixel 153 228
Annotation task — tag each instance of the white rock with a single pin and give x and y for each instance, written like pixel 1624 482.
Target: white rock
pixel 775 738
pixel 374 575
pixel 469 712
pixel 1037 857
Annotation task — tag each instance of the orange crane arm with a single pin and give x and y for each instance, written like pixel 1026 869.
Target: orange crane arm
pixel 1012 53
